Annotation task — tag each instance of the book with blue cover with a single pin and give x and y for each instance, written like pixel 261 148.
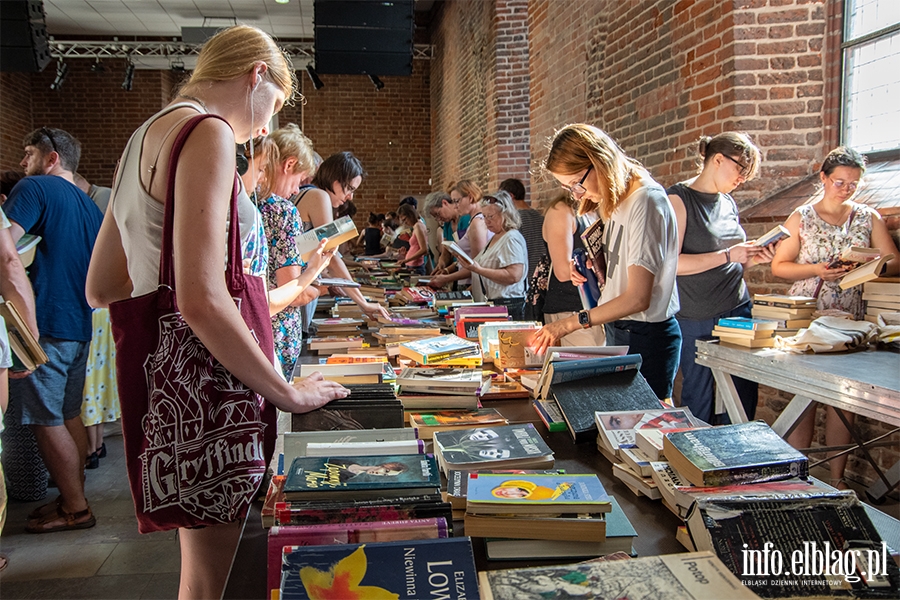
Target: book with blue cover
pixel 519 493
pixel 748 323
pixel 313 477
pixel 442 568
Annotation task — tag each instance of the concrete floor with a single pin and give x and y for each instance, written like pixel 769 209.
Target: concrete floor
pixel 109 560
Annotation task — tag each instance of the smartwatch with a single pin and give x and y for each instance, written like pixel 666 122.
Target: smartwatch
pixel 584 319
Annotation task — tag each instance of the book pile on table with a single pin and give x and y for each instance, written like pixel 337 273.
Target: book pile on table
pixel 882 296
pixel 466 319
pixel 517 446
pixel 747 332
pixel 791 312
pixel 369 405
pixel 334 344
pixel 544 515
pixel 333 326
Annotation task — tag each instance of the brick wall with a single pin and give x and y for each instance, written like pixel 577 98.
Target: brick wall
pixel 15 117
pixel 388 130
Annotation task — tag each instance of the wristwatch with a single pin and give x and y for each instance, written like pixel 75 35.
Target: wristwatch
pixel 584 319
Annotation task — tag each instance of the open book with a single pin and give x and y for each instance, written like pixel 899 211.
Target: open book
pixel 458 252
pixel 21 340
pixel 866 272
pixel 337 232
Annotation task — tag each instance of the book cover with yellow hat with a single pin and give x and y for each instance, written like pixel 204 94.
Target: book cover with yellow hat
pixel 520 493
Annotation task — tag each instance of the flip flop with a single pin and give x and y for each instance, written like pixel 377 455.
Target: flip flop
pixel 45 509
pixel 62 521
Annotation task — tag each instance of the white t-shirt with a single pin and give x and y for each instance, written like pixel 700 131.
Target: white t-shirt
pixel 642 231
pixel 507 249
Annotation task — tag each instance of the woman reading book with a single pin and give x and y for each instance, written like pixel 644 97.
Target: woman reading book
pixel 241 79
pixel 820 231
pixel 468 230
pixel 640 243
pixel 713 253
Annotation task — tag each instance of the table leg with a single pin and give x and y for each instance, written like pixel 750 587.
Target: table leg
pixel 727 396
pixel 878 490
pixel 792 414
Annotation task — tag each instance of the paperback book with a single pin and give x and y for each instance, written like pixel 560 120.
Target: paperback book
pixel 458 483
pixel 550 415
pixel 338 231
pixel 617 428
pixel 493 447
pixel 523 494
pixel 361 476
pixel 773 236
pixel 432 350
pixel 423 377
pixel 427 424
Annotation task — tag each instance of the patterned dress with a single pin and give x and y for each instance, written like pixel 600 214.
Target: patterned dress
pixel 101 392
pixel 823 242
pixel 283 228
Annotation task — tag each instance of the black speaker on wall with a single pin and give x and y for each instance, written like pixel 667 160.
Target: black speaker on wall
pixel 24 44
pixel 372 37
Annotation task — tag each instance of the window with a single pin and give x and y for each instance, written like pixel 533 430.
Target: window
pixel 871 99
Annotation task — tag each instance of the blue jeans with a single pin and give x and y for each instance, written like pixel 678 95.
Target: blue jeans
pixel 659 345
pixel 697 391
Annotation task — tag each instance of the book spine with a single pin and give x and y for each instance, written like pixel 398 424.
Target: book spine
pixel 554 422
pixel 738 324
pixel 573 371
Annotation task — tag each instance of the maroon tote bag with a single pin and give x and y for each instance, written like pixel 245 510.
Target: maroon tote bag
pixel 195 436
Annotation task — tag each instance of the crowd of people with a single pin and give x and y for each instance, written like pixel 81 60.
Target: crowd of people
pixel 675 262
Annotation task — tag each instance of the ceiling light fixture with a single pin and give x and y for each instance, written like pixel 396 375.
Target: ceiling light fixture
pixel 129 77
pixel 379 84
pixel 62 69
pixel 282 1
pixel 314 77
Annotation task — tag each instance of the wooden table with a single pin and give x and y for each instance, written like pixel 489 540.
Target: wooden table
pixel 655 524
pixel 865 383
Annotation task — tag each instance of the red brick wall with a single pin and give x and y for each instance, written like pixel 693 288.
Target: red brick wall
pixel 15 117
pixel 388 130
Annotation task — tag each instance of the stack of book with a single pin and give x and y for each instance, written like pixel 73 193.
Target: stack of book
pixel 882 295
pixel 791 312
pixel 337 327
pixel 517 446
pixel 446 299
pixel 747 332
pixel 439 388
pixel 373 405
pixel 414 295
pixel 466 319
pixel 343 373
pixel 428 351
pixel 334 344
pixel 388 334
pixel 542 515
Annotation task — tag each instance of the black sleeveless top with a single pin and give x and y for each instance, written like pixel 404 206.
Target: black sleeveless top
pixel 562 296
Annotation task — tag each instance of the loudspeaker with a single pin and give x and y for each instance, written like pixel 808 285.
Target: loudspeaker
pixel 364 37
pixel 24 44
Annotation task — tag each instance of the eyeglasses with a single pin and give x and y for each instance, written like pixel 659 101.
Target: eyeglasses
pixel 839 184
pixel 46 132
pixel 348 189
pixel 577 189
pixel 455 200
pixel 745 170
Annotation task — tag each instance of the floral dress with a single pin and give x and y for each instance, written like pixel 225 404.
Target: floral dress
pixel 821 241
pixel 283 228
pixel 101 392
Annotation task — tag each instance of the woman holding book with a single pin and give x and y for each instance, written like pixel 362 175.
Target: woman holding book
pixel 289 161
pixel 469 232
pixel 418 246
pixel 713 253
pixel 242 78
pixel 640 243
pixel 562 231
pixel 820 231
pixel 334 183
pixel 498 271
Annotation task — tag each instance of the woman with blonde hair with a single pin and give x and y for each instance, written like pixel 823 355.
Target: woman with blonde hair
pixel 713 253
pixel 468 231
pixel 640 239
pixel 240 80
pixel 289 163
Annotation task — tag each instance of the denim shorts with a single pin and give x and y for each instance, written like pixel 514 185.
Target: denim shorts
pixel 54 392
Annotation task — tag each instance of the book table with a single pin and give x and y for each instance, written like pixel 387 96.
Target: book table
pixel 865 383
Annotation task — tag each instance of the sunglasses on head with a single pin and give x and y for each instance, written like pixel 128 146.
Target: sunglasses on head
pixel 49 135
pixel 485 200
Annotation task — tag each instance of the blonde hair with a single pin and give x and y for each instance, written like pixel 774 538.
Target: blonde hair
pixel 289 142
pixel 233 51
pixel 469 188
pixel 579 146
pixel 263 149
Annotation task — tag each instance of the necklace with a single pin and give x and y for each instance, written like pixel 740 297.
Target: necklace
pixel 193 99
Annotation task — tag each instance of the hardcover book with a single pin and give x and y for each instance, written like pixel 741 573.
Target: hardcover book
pixel 432 350
pixel 418 295
pixel 688 576
pixel 442 568
pixel 578 400
pixel 556 372
pixel 362 476
pixel 729 454
pixel 467 327
pixel 345 533
pixel 523 494
pixel 835 525
pixel 493 447
pixel 617 428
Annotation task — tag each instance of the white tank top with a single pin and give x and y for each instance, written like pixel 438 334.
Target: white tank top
pixel 139 216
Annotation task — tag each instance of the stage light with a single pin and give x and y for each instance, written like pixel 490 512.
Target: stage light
pixel 98 67
pixel 62 69
pixel 129 77
pixel 314 77
pixel 379 84
pixel 177 66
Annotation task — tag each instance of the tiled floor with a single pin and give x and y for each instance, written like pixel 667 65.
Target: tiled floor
pixel 110 560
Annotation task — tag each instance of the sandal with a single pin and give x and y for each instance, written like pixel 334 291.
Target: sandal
pixel 44 510
pixel 4 562
pixel 62 521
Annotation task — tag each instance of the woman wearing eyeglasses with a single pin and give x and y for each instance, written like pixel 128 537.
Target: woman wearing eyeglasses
pixel 498 273
pixel 713 255
pixel 820 231
pixel 468 230
pixel 640 242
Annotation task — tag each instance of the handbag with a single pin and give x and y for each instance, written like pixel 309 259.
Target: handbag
pixel 194 434
pixel 537 290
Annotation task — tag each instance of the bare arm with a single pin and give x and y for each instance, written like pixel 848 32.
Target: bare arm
pixel 477 234
pixel 107 278
pixel 419 232
pixel 882 240
pixel 14 283
pixel 507 275
pixel 205 177
pixel 293 282
pixel 559 225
